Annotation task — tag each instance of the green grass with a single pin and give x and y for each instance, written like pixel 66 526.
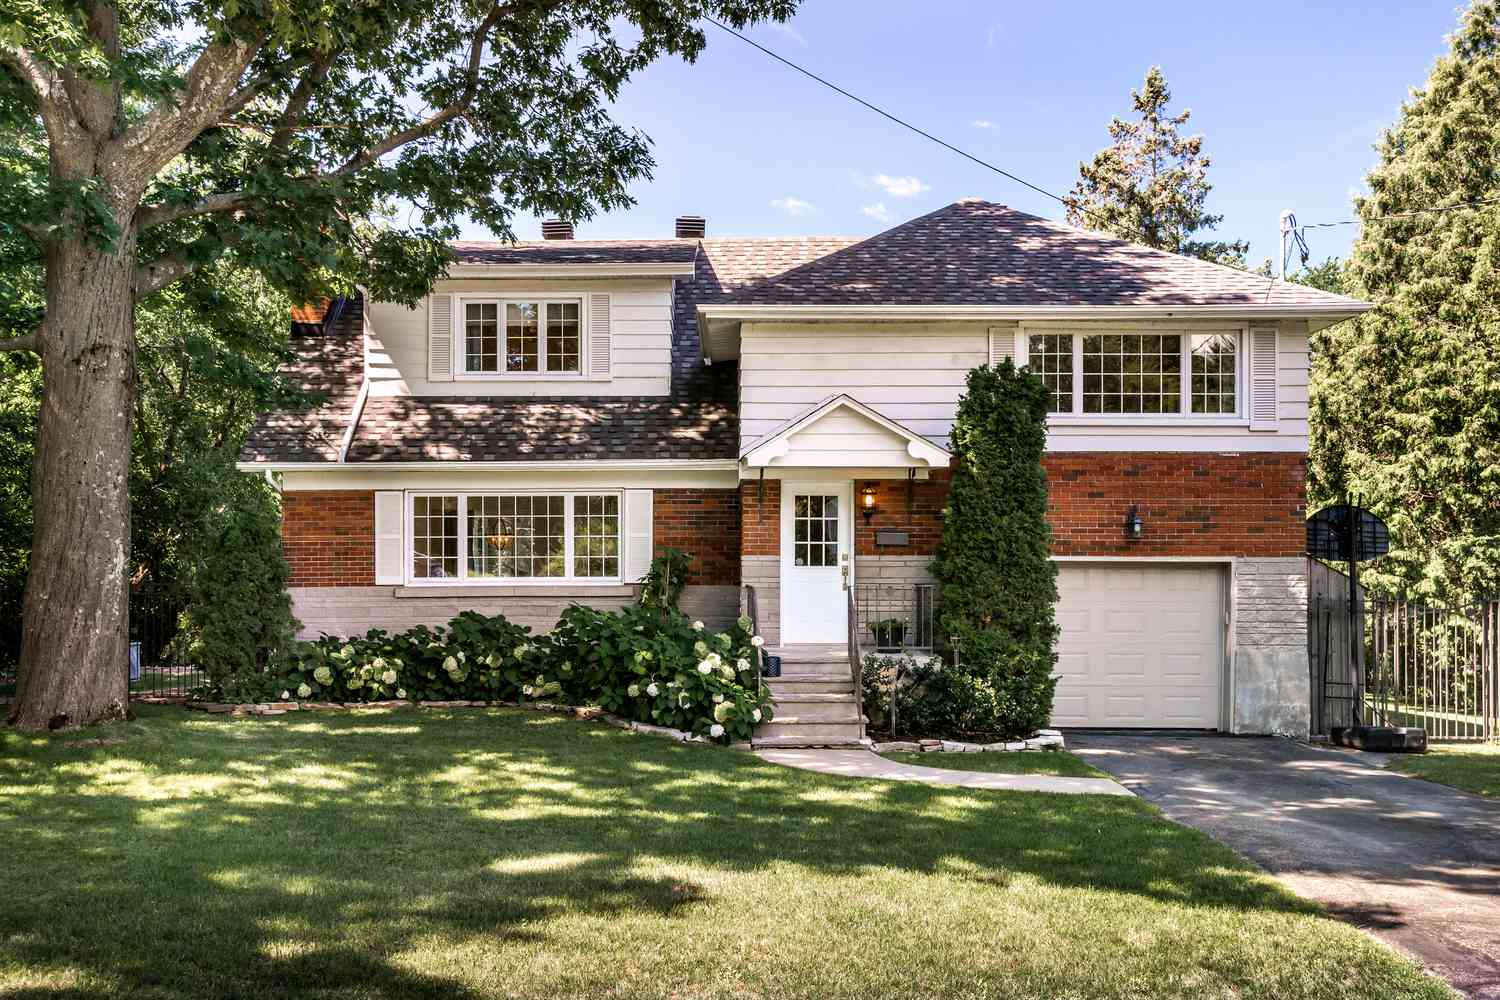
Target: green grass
pixel 1474 767
pixel 1053 762
pixel 494 853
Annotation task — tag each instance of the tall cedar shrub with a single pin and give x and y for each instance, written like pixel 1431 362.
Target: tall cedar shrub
pixel 1405 400
pixel 999 584
pixel 239 616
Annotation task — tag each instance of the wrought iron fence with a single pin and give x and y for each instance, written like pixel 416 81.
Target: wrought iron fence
pixel 155 664
pixel 895 617
pixel 1434 667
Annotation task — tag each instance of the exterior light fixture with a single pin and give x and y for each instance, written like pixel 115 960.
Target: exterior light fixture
pixel 867 502
pixel 1134 527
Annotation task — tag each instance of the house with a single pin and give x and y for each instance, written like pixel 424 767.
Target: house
pixel 557 410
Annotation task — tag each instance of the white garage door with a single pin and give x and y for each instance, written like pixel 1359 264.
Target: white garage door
pixel 1139 645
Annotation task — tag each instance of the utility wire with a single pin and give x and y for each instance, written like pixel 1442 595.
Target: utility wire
pixel 1404 215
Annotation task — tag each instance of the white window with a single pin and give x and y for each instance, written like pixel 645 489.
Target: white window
pixel 522 336
pixel 514 536
pixel 1142 373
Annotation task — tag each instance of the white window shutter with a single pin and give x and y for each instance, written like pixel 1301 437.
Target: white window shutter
pixel 440 338
pixel 1021 353
pixel 1262 396
pixel 600 329
pixel 389 548
pixel 1002 345
pixel 637 530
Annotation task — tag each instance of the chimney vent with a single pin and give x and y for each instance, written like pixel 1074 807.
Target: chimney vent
pixel 557 229
pixel 691 227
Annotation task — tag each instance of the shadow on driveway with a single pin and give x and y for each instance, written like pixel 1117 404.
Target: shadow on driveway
pixel 1416 863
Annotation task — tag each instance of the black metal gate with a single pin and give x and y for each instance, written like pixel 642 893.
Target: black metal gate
pixel 156 664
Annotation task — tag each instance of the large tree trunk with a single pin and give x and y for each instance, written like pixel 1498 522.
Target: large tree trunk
pixel 75 620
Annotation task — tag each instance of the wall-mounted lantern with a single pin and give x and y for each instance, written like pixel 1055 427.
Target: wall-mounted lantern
pixel 867 503
pixel 1134 526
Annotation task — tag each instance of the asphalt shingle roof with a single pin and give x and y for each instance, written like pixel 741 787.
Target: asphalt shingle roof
pixel 577 252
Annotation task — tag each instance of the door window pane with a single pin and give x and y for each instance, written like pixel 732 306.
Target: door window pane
pixel 1132 373
pixel 596 536
pixel 1214 357
pixel 521 348
pixel 434 534
pixel 562 336
pixel 1050 355
pixel 815 530
pixel 481 337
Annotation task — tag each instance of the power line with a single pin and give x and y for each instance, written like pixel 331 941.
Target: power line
pixel 1403 215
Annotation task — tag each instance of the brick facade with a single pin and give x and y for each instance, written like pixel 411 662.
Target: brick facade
pixel 329 537
pixel 916 510
pixel 760 521
pixel 705 524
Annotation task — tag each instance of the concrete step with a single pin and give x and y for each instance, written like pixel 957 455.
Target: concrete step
pixel 793 743
pixel 815 670
pixel 791 687
pixel 801 711
pixel 808 653
pixel 819 733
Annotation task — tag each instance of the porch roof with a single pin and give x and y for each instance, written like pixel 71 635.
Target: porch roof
pixel 842 432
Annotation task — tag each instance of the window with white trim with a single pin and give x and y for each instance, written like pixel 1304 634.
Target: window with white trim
pixel 1178 373
pixel 522 336
pixel 488 537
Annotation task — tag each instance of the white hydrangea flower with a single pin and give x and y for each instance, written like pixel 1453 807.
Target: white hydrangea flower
pixel 697 626
pixel 634 690
pixel 450 664
pixel 401 693
pixel 540 680
pixel 716 730
pixel 377 664
pixel 715 659
pixel 718 698
pixel 755 714
pixel 683 701
pixel 303 690
pixel 652 689
pixel 722 711
pixel 757 641
pixel 285 695
pixel 726 671
pixel 526 690
pixel 323 675
pixel 389 677
pixel 742 664
pixel 700 648
pixel 705 668
pixel 520 651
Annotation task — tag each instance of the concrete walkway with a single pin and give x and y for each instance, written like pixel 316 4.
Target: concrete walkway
pixel 864 764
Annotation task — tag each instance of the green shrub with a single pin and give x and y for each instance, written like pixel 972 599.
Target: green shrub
pixel 999 583
pixel 641 663
pixel 661 587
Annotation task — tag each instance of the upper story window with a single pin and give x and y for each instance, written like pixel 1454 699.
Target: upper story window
pixel 522 336
pixel 1139 374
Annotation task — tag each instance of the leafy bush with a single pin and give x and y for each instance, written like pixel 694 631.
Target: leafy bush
pixel 999 582
pixel 662 585
pixel 642 663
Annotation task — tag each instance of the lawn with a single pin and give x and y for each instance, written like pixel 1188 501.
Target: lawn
pixel 1474 767
pixel 1053 762
pixel 496 853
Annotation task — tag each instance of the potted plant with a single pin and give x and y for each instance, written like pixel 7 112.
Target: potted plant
pixel 888 633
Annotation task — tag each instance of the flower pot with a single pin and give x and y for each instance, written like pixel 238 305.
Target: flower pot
pixel 770 666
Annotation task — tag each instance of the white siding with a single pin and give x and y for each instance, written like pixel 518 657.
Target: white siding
pixel 913 373
pixel 641 340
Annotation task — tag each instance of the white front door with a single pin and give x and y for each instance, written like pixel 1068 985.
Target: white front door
pixel 817 562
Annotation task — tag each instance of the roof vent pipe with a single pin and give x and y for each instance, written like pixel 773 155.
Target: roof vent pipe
pixel 691 227
pixel 557 229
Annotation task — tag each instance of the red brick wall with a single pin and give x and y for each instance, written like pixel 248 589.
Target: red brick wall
pixel 329 537
pixel 921 518
pixel 760 521
pixel 705 524
pixel 1196 504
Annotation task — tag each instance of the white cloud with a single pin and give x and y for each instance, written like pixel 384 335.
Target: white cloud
pixel 792 205
pixel 983 123
pixel 788 31
pixel 877 211
pixel 900 187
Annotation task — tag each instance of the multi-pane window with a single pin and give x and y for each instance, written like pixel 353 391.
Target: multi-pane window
pixel 596 536
pixel 1051 357
pixel 1213 373
pixel 483 536
pixel 1128 374
pixel 815 530
pixel 522 336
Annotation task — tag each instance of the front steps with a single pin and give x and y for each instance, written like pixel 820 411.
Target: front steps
pixel 814 699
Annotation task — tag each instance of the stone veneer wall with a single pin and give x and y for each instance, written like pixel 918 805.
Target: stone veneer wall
pixel 1272 687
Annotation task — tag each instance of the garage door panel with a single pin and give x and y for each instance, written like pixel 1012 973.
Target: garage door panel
pixel 1139 646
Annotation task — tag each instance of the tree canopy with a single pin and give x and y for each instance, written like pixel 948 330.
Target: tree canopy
pixel 1151 184
pixel 1405 401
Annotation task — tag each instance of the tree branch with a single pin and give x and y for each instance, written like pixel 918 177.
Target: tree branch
pixel 59 116
pixel 173 267
pixel 215 204
pixel 301 95
pixel 25 342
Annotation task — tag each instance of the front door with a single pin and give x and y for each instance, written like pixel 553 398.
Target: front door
pixel 816 562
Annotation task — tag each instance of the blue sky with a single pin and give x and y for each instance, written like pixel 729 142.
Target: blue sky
pixel 1290 95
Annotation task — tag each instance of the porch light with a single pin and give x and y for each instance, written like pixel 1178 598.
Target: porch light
pixel 867 502
pixel 1134 527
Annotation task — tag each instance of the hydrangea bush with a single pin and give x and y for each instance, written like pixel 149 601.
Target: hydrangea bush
pixel 646 664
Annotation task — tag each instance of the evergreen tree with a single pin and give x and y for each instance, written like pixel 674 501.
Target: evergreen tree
pixel 1405 401
pixel 999 582
pixel 1150 185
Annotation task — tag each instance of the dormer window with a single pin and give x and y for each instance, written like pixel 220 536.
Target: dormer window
pixel 522 336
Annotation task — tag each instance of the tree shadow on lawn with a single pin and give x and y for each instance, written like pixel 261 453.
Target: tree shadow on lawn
pixel 210 856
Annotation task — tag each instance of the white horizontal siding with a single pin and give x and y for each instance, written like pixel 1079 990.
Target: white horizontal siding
pixel 913 373
pixel 641 341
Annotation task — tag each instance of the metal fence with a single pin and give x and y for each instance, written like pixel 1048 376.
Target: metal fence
pixel 1434 667
pixel 895 617
pixel 156 666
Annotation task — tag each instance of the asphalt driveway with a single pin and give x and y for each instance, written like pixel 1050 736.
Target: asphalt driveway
pixel 1414 862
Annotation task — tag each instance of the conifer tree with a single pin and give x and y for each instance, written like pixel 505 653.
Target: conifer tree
pixel 1150 185
pixel 1405 401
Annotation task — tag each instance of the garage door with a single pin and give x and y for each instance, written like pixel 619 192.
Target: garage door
pixel 1139 645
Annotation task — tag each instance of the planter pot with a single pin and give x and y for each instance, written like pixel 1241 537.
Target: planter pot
pixel 770 666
